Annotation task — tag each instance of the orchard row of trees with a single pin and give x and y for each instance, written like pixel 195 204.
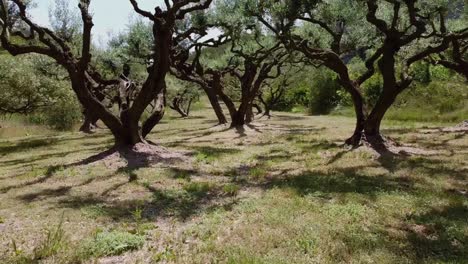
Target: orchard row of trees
pixel 241 53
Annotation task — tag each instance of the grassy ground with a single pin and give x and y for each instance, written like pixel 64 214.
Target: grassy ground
pixel 284 191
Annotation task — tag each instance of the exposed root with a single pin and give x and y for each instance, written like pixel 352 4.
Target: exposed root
pixel 138 156
pixel 381 145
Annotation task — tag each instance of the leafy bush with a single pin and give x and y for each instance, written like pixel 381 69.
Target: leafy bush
pixel 63 115
pixel 441 73
pixel 422 72
pixel 372 89
pixel 323 95
pixel 26 89
pixel 22 89
pixel 437 101
pixel 112 244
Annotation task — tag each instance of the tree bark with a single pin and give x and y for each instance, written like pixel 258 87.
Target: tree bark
pixel 157 115
pixel 216 106
pixel 238 120
pixel 177 106
pixel 267 112
pixel 259 109
pixel 88 123
pixel 249 115
pixel 359 110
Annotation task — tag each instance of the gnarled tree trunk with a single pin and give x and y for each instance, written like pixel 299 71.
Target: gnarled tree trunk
pixel 89 122
pixel 216 106
pixel 158 114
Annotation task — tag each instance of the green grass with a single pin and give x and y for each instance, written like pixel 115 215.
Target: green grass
pixel 111 244
pixel 285 191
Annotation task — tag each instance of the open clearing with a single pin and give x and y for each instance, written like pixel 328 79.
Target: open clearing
pixel 282 191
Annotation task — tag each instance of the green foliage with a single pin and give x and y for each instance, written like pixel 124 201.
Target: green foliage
pixel 134 44
pixel 441 73
pixel 323 95
pixel 22 89
pixel 231 189
pixel 258 173
pixel 32 85
pixel 112 243
pixel 63 115
pixel 65 21
pixel 198 188
pixel 297 94
pixel 372 89
pixel 437 101
pixel 422 72
pixel 167 254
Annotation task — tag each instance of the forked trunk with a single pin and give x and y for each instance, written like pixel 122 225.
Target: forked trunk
pixel 258 108
pixel 87 126
pixel 216 106
pixel 373 122
pixel 355 139
pixel 157 115
pixel 267 112
pixel 238 120
pixel 131 132
pixel 89 122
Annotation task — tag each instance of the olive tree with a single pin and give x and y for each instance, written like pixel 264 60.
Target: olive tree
pixel 125 126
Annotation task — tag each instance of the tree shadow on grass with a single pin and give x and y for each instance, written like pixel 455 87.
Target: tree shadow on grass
pixel 340 181
pixel 133 160
pixel 47 175
pixel 435 236
pixel 32 160
pixel 170 203
pixel 35 143
pixel 43 194
pixel 212 153
pixel 439 234
pixel 431 167
pixel 60 191
pixel 27 144
pixel 178 204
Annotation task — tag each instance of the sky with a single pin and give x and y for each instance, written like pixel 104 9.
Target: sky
pixel 109 16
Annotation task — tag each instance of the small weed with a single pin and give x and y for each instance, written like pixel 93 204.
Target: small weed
pixel 198 188
pixel 231 189
pixel 140 227
pixel 305 245
pixel 94 211
pixel 146 184
pixel 258 173
pixel 204 158
pixel 112 244
pixel 54 242
pixel 165 255
pixel 181 174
